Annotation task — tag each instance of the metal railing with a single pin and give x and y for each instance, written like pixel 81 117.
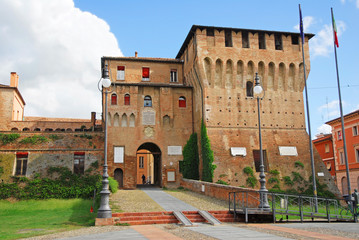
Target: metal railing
pixel 304 207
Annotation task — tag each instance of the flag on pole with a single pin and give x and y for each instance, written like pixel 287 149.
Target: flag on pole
pixel 301 25
pixel 335 32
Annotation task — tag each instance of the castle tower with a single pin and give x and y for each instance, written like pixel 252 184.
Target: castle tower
pixel 220 63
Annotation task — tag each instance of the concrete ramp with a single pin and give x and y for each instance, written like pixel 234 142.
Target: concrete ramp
pixel 182 218
pixel 209 217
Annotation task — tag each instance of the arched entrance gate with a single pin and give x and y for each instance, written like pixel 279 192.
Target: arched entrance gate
pixel 149 164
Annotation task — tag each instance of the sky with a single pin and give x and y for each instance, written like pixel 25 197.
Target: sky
pixel 56 45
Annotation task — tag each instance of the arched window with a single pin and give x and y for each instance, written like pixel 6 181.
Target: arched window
pixel 113 99
pixel 14 129
pixel 182 102
pixel 26 129
pixel 37 129
pixel 344 186
pixel 127 99
pixel 249 88
pixel 148 101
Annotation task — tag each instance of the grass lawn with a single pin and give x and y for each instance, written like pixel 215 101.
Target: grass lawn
pixel 38 217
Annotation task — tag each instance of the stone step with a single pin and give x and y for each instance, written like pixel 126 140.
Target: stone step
pixel 147 222
pixel 144 218
pixel 140 214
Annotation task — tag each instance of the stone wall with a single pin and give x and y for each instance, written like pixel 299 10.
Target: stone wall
pixel 57 150
pixel 220 191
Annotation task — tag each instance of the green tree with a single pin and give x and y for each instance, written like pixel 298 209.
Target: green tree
pixel 189 165
pixel 207 156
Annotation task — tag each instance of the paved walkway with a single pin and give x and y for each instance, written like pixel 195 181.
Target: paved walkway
pixel 225 231
pixel 166 201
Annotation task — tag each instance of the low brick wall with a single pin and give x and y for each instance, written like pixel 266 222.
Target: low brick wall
pixel 221 191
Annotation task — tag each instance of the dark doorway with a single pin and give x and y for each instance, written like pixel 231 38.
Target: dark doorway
pixel 118 175
pixel 150 167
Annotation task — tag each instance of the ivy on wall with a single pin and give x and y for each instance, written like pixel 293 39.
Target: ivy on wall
pixel 207 156
pixel 189 165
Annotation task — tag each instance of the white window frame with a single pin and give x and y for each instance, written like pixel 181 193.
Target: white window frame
pixel 355 131
pixel 341 157
pixel 339 135
pixel 356 152
pixel 121 73
pixel 174 75
pixel 118 154
pixel 326 148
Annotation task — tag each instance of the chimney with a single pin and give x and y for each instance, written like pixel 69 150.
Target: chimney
pixel 136 54
pixel 14 80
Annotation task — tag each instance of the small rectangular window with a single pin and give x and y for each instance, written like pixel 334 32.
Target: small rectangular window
pixel 120 72
pixel 341 157
pixel 355 131
pixel 79 162
pixel 357 154
pixel 257 160
pixel 145 74
pixel 326 148
pixel 339 135
pixel 261 41
pixel 228 38
pixel 245 40
pixel 140 164
pixel 278 42
pixel 174 75
pixel 295 40
pixel 21 164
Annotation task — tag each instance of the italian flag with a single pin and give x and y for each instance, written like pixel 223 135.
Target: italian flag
pixel 335 33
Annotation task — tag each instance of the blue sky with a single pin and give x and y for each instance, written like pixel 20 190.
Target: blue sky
pixel 85 30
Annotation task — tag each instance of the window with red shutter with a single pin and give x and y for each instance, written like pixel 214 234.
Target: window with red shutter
pixel 145 74
pixel 113 99
pixel 182 102
pixel 127 99
pixel 120 72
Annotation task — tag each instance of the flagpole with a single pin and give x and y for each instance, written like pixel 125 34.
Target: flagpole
pixel 341 109
pixel 308 117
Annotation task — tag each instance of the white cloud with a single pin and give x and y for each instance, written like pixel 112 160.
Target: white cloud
pixel 307 22
pixel 324 128
pixel 322 43
pixel 56 50
pixel 331 109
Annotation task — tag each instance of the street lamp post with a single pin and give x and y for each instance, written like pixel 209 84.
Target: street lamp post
pixel 105 211
pixel 258 89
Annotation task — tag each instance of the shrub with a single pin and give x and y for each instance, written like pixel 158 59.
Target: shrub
pixel 299 164
pixel 251 181
pixel 189 166
pixel 8 138
pixel 113 185
pixel 274 172
pixel 66 185
pixel 273 180
pixel 297 177
pixel 248 170
pixel 207 156
pixel 288 181
pixel 36 139
pixel 220 181
pixel 55 137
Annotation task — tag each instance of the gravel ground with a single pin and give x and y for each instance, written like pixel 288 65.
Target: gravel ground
pixel 133 201
pixel 198 200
